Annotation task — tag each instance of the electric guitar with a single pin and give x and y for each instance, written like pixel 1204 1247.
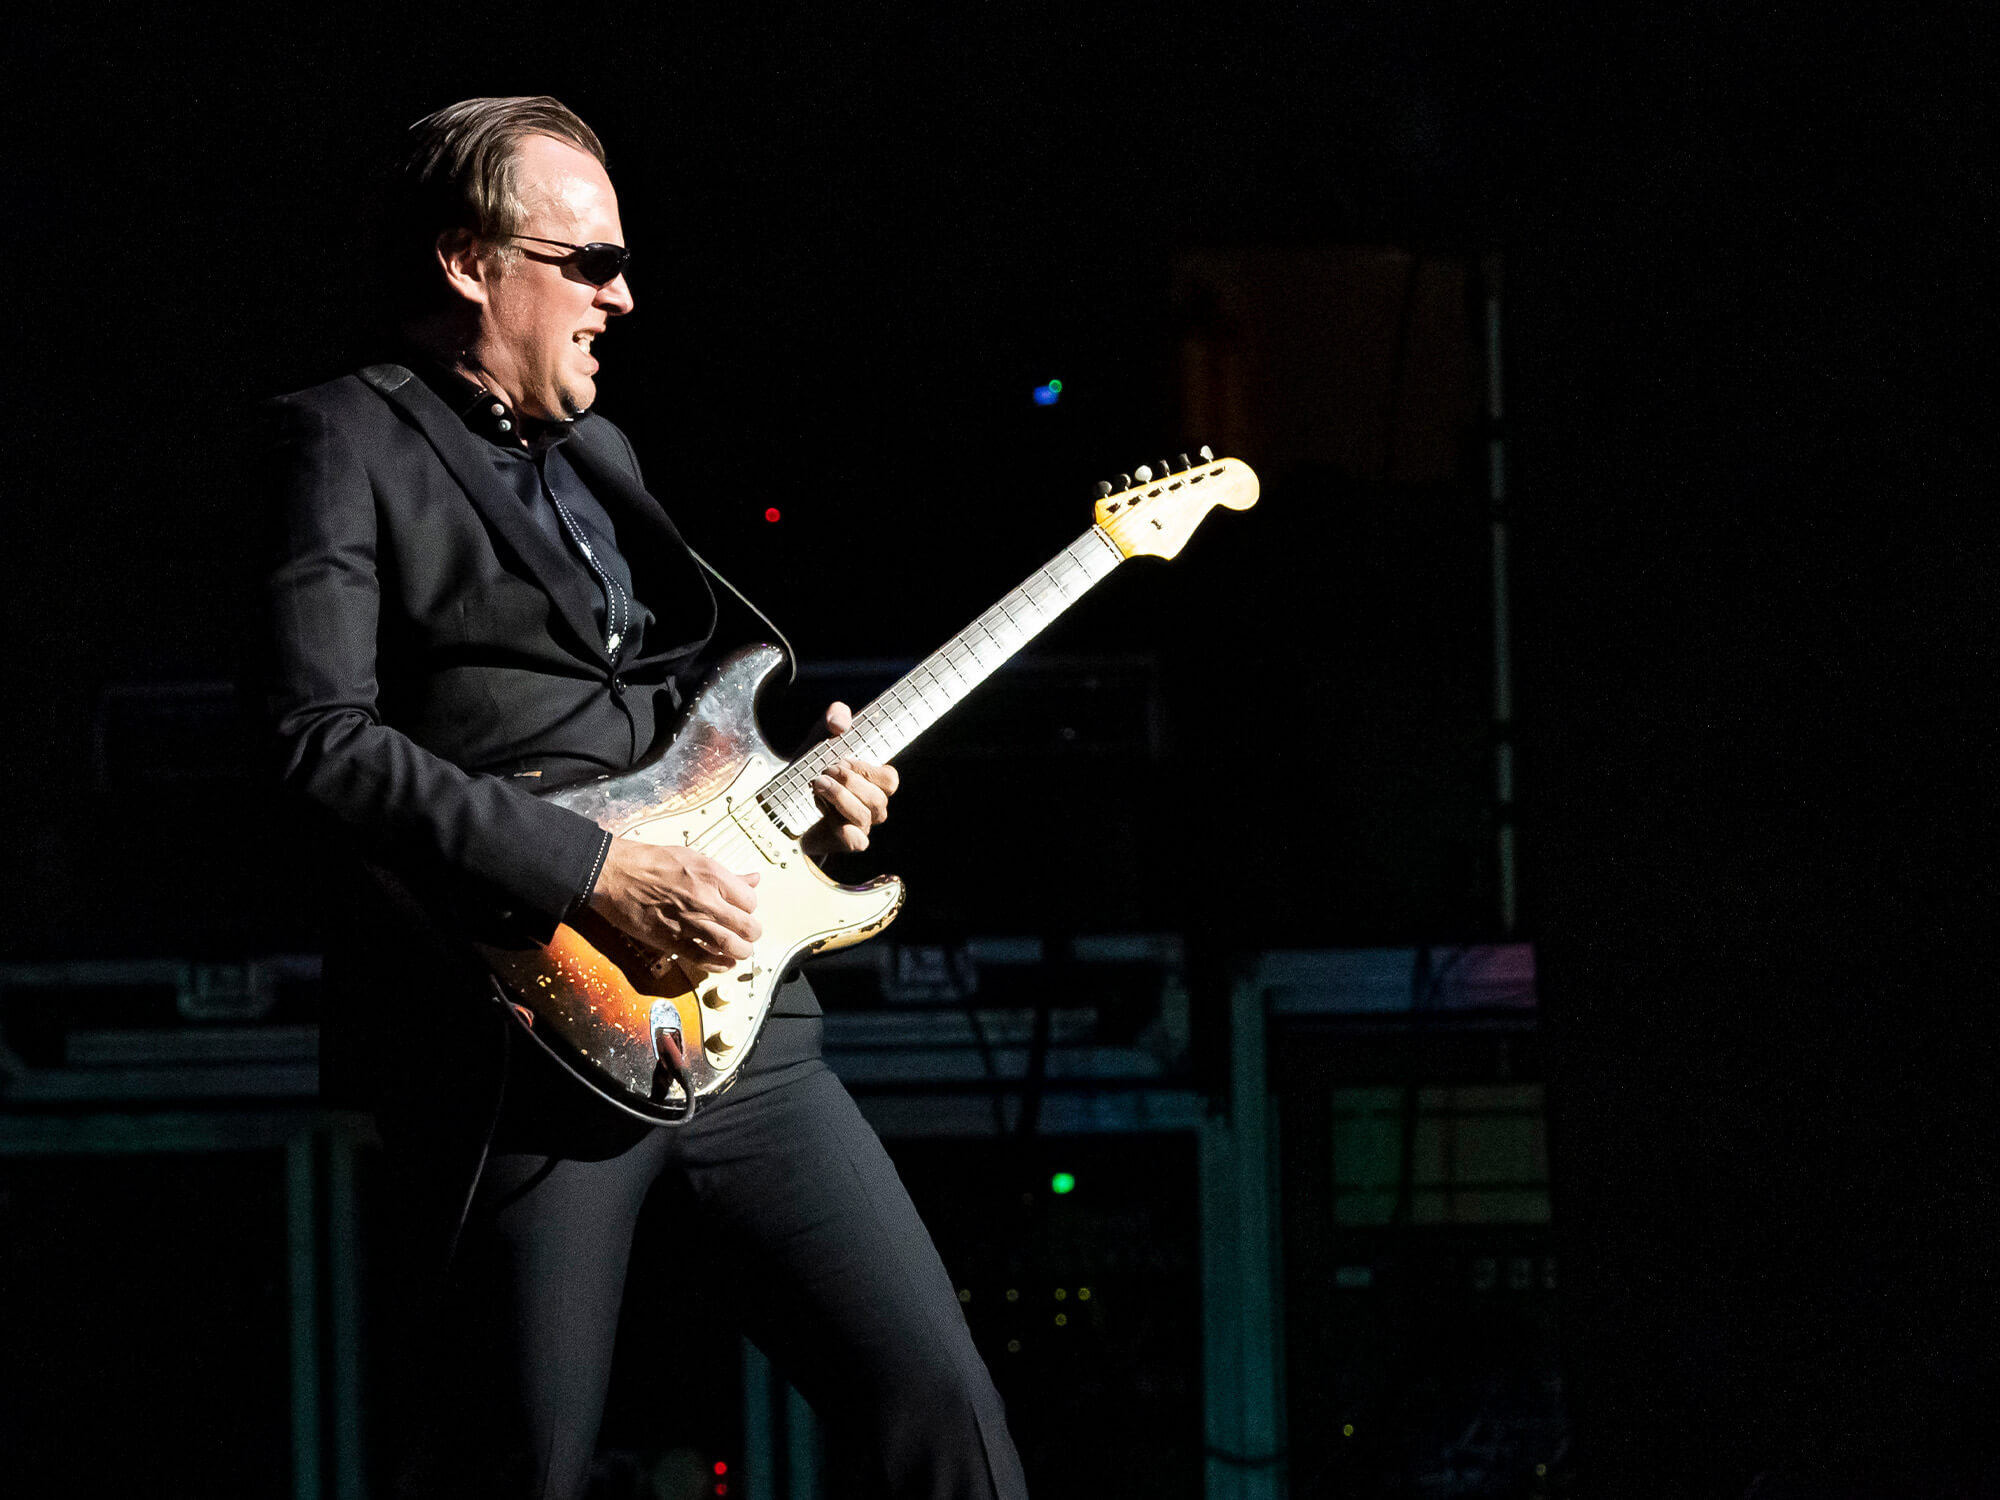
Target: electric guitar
pixel 655 1036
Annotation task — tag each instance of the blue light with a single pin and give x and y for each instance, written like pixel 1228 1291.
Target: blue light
pixel 1048 395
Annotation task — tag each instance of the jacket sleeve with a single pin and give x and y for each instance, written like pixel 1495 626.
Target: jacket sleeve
pixel 400 803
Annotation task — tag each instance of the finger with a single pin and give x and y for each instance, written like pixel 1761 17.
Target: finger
pixel 839 718
pixel 715 885
pixel 866 791
pixel 693 955
pixel 739 924
pixel 679 942
pixel 737 890
pixel 719 942
pixel 841 802
pixel 706 940
pixel 710 914
pixel 886 777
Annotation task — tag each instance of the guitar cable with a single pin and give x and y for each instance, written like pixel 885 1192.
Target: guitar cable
pixel 507 1025
pixel 791 656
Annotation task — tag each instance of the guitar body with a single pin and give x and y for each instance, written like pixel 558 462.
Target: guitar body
pixel 599 999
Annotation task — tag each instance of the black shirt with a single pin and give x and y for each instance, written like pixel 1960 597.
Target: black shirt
pixel 654 660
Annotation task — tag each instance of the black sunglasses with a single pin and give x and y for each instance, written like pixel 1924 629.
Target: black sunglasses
pixel 597 262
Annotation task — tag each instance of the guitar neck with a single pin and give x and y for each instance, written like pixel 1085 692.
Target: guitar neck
pixel 887 726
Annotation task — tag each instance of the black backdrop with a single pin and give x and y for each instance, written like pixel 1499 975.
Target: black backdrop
pixel 1746 305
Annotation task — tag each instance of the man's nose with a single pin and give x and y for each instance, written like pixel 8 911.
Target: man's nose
pixel 615 296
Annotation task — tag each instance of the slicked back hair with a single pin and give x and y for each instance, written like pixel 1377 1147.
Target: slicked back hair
pixel 463 172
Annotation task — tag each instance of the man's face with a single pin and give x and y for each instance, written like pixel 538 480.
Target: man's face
pixel 539 318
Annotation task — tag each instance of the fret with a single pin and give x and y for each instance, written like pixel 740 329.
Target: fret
pixel 869 742
pixel 947 670
pixel 960 670
pixel 999 651
pixel 1005 629
pixel 1027 606
pixel 921 682
pixel 888 725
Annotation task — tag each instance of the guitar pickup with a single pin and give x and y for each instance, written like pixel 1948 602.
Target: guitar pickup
pixel 768 839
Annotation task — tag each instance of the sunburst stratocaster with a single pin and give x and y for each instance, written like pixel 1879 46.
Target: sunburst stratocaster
pixel 656 1037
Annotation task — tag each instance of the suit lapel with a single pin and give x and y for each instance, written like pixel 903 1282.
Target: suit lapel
pixel 463 454
pixel 589 449
pixel 650 541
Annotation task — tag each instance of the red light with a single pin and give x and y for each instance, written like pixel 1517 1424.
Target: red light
pixel 771 514
pixel 721 1467
pixel 722 1489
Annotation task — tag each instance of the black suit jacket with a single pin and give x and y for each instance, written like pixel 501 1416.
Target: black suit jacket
pixel 437 654
pixel 434 656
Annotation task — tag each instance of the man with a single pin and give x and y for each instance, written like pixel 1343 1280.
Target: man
pixel 475 596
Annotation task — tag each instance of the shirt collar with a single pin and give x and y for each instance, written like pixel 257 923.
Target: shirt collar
pixel 487 416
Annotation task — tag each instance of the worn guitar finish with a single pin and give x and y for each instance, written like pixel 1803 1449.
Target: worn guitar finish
pixel 655 1036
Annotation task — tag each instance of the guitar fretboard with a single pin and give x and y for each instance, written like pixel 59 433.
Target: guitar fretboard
pixel 886 726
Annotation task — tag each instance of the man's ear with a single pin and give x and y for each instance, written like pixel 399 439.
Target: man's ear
pixel 466 270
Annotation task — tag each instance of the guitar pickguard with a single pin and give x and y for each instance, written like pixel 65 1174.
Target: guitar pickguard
pixel 592 989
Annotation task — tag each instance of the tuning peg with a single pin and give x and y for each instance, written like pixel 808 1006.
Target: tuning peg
pixel 1164 469
pixel 1207 453
pixel 1143 474
pixel 1103 488
pixel 1181 464
pixel 1124 481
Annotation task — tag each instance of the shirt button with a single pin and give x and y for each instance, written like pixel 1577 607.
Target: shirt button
pixel 617 687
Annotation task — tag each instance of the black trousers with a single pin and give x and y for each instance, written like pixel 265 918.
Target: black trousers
pixel 797 1231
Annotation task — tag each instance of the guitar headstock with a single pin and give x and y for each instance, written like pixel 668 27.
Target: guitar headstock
pixel 1156 516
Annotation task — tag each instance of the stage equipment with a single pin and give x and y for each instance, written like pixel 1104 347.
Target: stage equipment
pixel 179 1216
pixel 1421 1277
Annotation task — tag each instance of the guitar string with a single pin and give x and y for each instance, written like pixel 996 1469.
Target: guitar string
pixel 783 790
pixel 1034 596
pixel 728 841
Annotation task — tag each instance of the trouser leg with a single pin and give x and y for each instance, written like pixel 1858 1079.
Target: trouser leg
pixel 807 1230
pixel 534 1295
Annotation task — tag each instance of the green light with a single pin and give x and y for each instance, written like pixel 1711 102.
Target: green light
pixel 1062 1182
pixel 1056 386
